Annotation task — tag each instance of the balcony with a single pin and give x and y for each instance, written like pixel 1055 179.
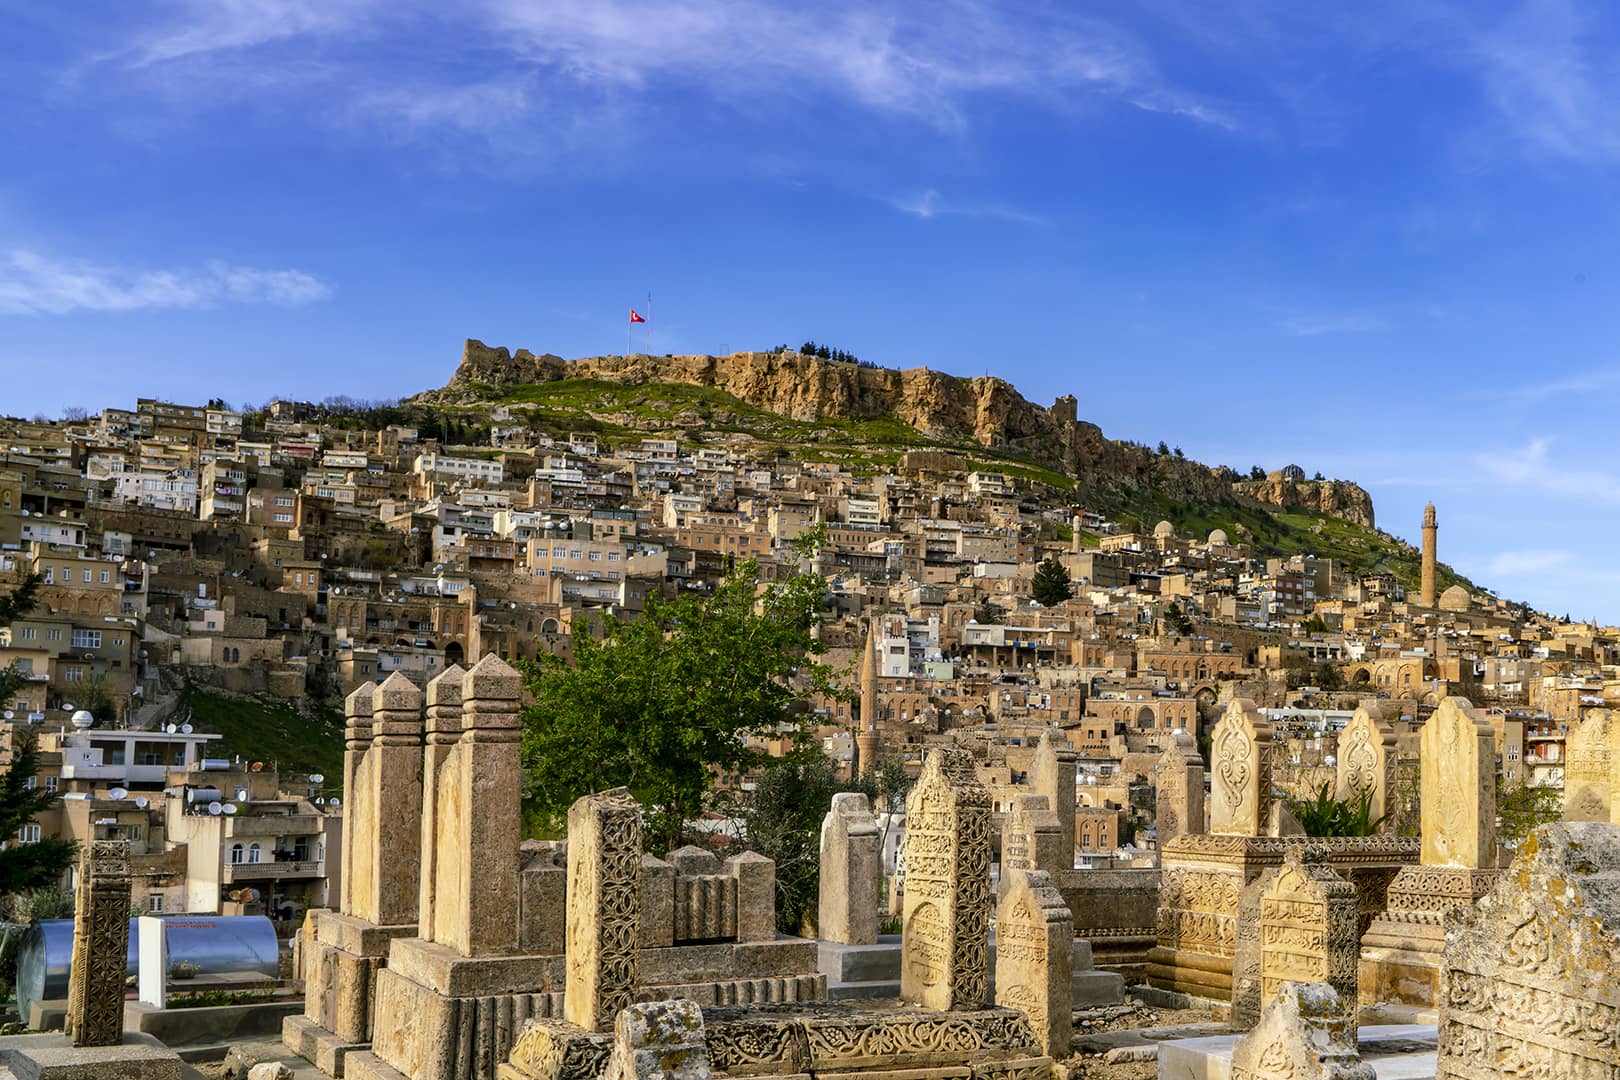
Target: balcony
pixel 235 873
pixel 257 825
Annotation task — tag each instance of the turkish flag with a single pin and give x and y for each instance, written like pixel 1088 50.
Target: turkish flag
pixel 634 317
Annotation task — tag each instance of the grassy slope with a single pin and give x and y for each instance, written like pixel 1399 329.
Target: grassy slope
pixel 268 731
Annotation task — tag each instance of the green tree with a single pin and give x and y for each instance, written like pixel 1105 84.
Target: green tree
pixel 1313 625
pixel 664 701
pixel 19 602
pixel 1522 808
pixel 26 867
pixel 1176 619
pixel 1329 677
pixel 1051 583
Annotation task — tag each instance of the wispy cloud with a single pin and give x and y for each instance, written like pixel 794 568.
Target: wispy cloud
pixel 1532 467
pixel 35 284
pixel 1317 325
pixel 1580 383
pixel 1527 563
pixel 931 204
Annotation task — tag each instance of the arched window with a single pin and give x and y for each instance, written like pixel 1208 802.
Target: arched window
pixel 236 853
pixel 253 853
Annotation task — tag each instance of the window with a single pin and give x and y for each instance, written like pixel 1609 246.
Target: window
pixel 105 577
pixel 87 577
pixel 254 853
pixel 75 674
pixel 283 519
pixel 51 782
pixel 30 833
pixel 132 832
pixel 53 635
pixel 154 902
pixel 27 632
pixel 236 854
pixel 87 639
pixel 48 579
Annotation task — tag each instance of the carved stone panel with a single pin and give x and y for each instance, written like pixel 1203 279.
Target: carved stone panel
pixel 1588 769
pixel 945 928
pixel 1368 759
pixel 95 1012
pixel 1309 930
pixel 1458 767
pixel 1240 765
pixel 604 907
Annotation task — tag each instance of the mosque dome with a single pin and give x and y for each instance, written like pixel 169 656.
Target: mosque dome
pixel 1455 598
pixel 1217 538
pixel 1164 530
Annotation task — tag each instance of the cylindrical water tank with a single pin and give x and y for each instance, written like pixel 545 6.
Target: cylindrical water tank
pixel 217 944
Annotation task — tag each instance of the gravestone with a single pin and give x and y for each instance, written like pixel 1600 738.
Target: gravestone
pixel 1309 931
pixel 95 1008
pixel 1301 1036
pixel 1588 769
pixel 849 872
pixel 1531 985
pixel 1178 785
pixel 1240 772
pixel 604 907
pixel 1052 774
pixel 1367 763
pixel 944 963
pixel 1458 787
pixel 1031 839
pixel 1034 957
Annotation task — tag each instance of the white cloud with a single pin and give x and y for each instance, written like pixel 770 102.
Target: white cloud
pixel 930 204
pixel 1317 325
pixel 1532 468
pixel 35 284
pixel 1528 563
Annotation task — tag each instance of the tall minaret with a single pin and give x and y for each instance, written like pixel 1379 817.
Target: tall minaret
pixel 866 736
pixel 1430 529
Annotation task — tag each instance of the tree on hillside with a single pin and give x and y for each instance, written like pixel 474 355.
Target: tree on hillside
pixel 665 700
pixel 1175 620
pixel 24 867
pixel 1051 584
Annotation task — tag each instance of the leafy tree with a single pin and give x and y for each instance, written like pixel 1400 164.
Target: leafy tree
pixel 14 606
pixel 663 701
pixel 1164 448
pixel 1329 677
pixel 25 867
pixel 1318 476
pixel 1051 584
pixel 987 614
pixel 1257 473
pixel 1522 808
pixel 1313 625
pixel 1179 453
pixel 1177 620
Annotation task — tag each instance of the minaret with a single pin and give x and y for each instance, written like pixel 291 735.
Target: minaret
pixel 866 737
pixel 1430 529
pixel 1074 540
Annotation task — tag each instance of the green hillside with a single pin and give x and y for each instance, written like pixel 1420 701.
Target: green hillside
pixel 270 731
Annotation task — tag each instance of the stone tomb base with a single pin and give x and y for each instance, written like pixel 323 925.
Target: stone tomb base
pixel 443 1016
pixel 340 956
pixel 1403 950
pixel 861 971
pixel 1396 1052
pixel 54 1057
pixel 825 1042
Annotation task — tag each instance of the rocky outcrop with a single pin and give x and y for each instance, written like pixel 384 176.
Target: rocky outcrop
pixel 1335 498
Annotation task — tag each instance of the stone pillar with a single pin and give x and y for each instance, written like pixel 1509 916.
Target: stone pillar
pixel 1426 581
pixel 1034 957
pixel 604 907
pixel 95 1009
pixel 1588 769
pixel 1301 1037
pixel 442 732
pixel 1458 787
pixel 1309 931
pixel 386 817
pixel 850 866
pixel 754 876
pixel 1240 766
pixel 1368 760
pixel 1052 774
pixel 659 1040
pixel 944 948
pixel 1178 785
pixel 356 740
pixel 1532 971
pixel 1031 839
pixel 479 796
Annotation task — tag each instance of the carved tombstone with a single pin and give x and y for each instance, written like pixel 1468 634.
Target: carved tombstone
pixel 944 960
pixel 659 1040
pixel 1301 1036
pixel 1031 839
pixel 1458 787
pixel 1240 766
pixel 1178 785
pixel 1531 981
pixel 604 907
pixel 385 809
pixel 1247 1000
pixel 95 1012
pixel 850 868
pixel 1035 956
pixel 1052 774
pixel 1588 769
pixel 1368 759
pixel 1309 930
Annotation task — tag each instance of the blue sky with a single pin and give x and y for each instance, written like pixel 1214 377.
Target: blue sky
pixel 1377 239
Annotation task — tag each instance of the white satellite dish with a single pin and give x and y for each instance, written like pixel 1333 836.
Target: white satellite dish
pixel 10 715
pixel 118 793
pixel 334 801
pixel 319 801
pixel 316 778
pixel 141 802
pixel 68 707
pixel 231 809
pixel 185 729
pixel 171 729
pixel 216 808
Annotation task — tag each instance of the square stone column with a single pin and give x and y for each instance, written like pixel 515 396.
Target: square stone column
pixel 1052 774
pixel 945 947
pixel 95 1011
pixel 356 741
pixel 850 868
pixel 1178 785
pixel 604 908
pixel 385 808
pixel 442 732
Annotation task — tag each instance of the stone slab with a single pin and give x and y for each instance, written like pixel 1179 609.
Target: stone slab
pixel 445 971
pixel 298 1034
pixel 357 935
pixel 53 1057
pixel 853 991
pixel 859 963
pixel 330 1052
pixel 742 960
pixel 1395 1052
pixel 366 1065
pixel 1092 988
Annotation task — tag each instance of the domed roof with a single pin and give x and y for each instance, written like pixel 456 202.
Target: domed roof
pixel 1455 598
pixel 1164 530
pixel 1217 538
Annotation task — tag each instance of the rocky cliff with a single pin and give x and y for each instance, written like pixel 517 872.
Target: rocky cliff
pixel 988 411
pixel 1335 498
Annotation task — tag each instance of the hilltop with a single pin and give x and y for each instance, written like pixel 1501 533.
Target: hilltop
pixel 873 419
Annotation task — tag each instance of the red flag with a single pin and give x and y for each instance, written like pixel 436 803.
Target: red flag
pixel 634 317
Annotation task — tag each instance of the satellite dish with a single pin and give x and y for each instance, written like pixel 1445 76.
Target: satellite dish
pixel 316 778
pixel 216 808
pixel 250 895
pixel 170 729
pixel 334 801
pixel 118 793
pixel 235 894
pixel 10 715
pixel 257 766
pixel 319 801
pixel 141 802
pixel 68 707
pixel 185 729
pixel 231 809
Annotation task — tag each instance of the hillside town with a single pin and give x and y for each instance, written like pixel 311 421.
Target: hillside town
pixel 289 555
